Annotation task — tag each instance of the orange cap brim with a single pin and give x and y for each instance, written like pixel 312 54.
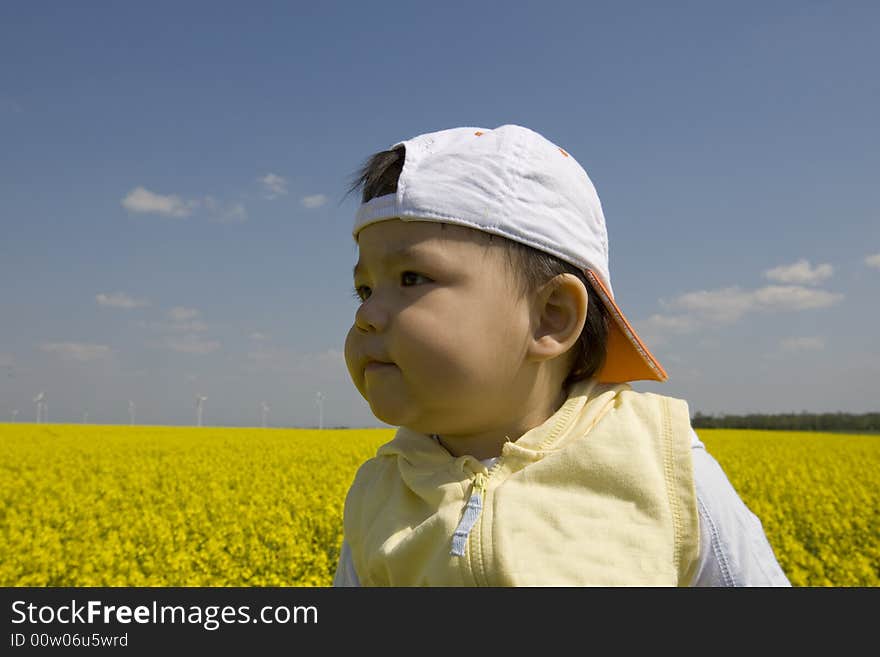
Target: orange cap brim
pixel 626 358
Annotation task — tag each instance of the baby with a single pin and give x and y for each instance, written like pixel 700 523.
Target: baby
pixel 488 333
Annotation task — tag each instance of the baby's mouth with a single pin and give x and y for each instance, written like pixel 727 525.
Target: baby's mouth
pixel 375 365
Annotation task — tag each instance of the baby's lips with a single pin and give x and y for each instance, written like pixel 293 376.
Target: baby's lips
pixel 369 358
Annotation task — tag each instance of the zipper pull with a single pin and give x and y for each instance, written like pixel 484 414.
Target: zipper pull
pixel 470 516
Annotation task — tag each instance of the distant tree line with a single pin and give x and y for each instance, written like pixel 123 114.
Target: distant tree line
pixel 846 422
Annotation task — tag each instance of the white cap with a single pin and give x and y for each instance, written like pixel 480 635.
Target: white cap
pixel 513 182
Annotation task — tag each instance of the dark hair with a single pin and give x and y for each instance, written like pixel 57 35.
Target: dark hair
pixel 532 267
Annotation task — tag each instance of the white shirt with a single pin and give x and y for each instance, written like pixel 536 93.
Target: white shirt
pixel 734 550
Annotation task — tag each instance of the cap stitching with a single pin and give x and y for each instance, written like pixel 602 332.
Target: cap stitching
pixel 537 243
pixel 516 149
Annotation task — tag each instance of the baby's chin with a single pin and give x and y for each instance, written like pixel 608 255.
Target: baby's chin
pixel 393 410
pixel 402 415
pixel 394 402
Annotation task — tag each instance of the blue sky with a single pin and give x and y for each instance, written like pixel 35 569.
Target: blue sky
pixel 173 177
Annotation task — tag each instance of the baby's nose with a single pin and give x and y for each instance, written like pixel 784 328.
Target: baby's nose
pixel 368 318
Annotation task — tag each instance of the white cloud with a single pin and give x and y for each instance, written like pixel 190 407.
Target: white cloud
pixel 873 261
pixel 147 202
pixel 329 358
pixel 256 335
pixel 671 323
pixel 233 214
pixel 654 330
pixel 802 344
pixel 693 311
pixel 273 186
pixel 179 313
pixel 191 344
pixel 194 326
pixel 182 320
pixel 729 304
pixel 723 306
pixel 225 213
pixel 120 300
pixel 793 297
pixel 77 351
pixel 800 272
pixel 315 201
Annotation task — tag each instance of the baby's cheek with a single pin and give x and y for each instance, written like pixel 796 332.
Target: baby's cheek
pixel 351 357
pixel 349 347
pixel 429 344
pixel 451 342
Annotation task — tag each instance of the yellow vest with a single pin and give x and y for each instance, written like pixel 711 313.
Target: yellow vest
pixel 600 494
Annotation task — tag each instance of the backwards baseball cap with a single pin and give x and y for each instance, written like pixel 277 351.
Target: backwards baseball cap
pixel 513 182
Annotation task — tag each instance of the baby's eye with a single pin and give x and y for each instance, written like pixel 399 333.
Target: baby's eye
pixel 405 276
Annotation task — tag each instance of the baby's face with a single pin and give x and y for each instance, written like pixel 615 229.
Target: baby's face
pixel 448 318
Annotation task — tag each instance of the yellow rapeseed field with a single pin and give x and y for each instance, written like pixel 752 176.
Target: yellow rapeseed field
pixel 817 495
pixel 93 505
pixel 173 506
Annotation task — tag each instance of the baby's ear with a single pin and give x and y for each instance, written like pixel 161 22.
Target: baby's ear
pixel 561 308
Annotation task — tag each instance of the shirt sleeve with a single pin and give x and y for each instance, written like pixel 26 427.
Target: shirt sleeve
pixel 345 573
pixel 734 550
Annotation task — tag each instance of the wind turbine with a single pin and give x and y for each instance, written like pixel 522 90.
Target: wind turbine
pixel 131 411
pixel 14 413
pixel 200 399
pixel 38 400
pixel 265 412
pixel 319 400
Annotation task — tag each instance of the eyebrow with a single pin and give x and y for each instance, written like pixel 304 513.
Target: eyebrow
pixel 394 256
